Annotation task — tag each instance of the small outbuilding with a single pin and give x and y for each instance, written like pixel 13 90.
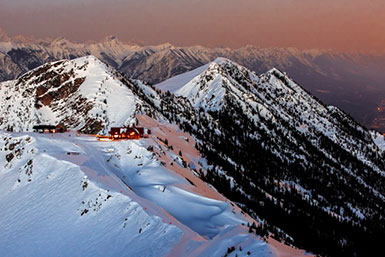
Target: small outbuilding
pixel 60 128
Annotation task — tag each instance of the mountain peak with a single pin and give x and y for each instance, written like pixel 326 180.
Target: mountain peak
pixel 166 45
pixel 275 71
pixel 82 93
pixel 3 36
pixel 161 47
pixel 222 60
pixel 207 86
pixel 219 66
pixel 61 42
pixel 88 58
pixel 228 65
pixel 20 39
pixel 111 40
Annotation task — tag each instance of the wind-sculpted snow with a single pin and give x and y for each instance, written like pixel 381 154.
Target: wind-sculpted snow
pixel 70 195
pixel 54 206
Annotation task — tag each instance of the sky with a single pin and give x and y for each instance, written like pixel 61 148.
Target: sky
pixel 348 25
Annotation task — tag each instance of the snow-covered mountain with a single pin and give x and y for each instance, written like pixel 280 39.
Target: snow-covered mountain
pixel 64 195
pixel 307 173
pixel 353 82
pixel 83 94
pixel 3 35
pixel 286 157
pixel 29 54
pixel 71 195
pixel 156 63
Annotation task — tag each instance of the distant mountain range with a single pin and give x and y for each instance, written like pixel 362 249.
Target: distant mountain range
pixel 353 82
pixel 306 172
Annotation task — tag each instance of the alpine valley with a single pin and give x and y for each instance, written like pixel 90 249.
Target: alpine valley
pixel 237 164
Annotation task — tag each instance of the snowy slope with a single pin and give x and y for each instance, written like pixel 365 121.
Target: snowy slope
pixel 379 140
pixel 82 94
pixel 71 195
pixel 67 195
pixel 174 83
pixel 276 148
pixel 284 157
pixel 272 96
pixel 56 207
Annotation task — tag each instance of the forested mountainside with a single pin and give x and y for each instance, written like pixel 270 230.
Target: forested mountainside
pixel 305 169
pixel 307 172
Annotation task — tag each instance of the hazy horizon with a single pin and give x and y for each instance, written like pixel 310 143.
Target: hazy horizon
pixel 340 25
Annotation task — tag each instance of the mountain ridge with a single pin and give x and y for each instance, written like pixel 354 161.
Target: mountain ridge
pixel 127 192
pixel 306 172
pixel 267 128
pixel 353 82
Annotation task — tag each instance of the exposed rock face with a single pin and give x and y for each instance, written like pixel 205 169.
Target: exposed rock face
pixel 53 84
pixel 78 93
